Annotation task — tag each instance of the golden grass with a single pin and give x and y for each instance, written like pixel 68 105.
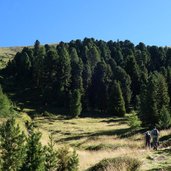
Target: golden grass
pixel 7 54
pixel 85 134
pixel 81 133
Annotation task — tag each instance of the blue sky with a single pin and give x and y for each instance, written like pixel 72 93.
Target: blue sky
pixel 52 21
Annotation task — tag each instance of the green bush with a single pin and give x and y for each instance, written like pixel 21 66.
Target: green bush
pixel 117 164
pixel 134 122
pixel 67 160
pixel 6 108
pixel 164 119
pixel 101 146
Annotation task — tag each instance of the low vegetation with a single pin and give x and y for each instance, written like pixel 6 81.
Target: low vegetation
pixel 95 139
pixel 117 164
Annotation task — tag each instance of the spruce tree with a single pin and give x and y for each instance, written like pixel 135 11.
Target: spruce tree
pixel 162 93
pixel 63 77
pixel 133 70
pixel 94 56
pixel 153 99
pixel 125 81
pixel 12 146
pixel 116 102
pixel 75 103
pixel 38 68
pixel 35 157
pixel 36 47
pixel 51 161
pixel 164 118
pixel 5 105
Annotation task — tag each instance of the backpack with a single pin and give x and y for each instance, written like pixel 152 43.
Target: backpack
pixel 155 132
pixel 148 136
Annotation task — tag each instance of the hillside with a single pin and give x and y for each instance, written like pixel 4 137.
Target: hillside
pixel 7 54
pixel 82 93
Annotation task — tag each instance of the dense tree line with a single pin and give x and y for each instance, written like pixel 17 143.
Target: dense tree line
pixel 94 75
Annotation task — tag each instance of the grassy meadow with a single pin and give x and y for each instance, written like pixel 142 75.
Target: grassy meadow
pixel 98 138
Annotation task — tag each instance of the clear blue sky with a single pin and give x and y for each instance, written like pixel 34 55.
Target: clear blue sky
pixel 51 21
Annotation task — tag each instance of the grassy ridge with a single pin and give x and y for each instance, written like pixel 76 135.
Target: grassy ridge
pixel 7 54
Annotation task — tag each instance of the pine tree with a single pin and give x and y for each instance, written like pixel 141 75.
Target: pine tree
pixel 86 76
pixel 153 99
pixel 76 71
pixel 51 162
pixel 133 121
pixel 164 118
pixel 35 157
pixel 36 47
pixel 12 146
pixel 116 102
pixel 125 81
pixel 98 94
pixel 94 56
pixel 5 105
pixel 75 103
pixel 133 70
pixel 38 68
pixel 162 93
pixel 149 110
pixel 63 77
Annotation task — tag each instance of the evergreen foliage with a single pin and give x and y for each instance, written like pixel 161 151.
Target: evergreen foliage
pixel 133 121
pixel 164 119
pixel 35 156
pixel 12 146
pixel 90 67
pixel 116 101
pixel 51 161
pixel 67 160
pixel 75 103
pixel 21 153
pixel 5 105
pixel 154 98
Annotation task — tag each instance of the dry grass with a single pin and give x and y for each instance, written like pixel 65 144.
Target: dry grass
pixel 7 54
pixel 84 133
pixel 98 138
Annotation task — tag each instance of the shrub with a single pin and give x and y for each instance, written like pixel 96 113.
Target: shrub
pixel 117 164
pixel 164 119
pixel 67 160
pixel 134 122
pixel 6 108
pixel 103 147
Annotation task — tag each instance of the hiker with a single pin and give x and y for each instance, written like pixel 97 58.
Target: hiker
pixel 155 137
pixel 148 139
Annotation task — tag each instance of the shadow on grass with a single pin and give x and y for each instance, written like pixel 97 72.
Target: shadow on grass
pixel 121 133
pixel 78 137
pixel 164 138
pixel 114 120
pixel 168 168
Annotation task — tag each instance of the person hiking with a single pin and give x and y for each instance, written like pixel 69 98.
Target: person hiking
pixel 148 139
pixel 155 137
